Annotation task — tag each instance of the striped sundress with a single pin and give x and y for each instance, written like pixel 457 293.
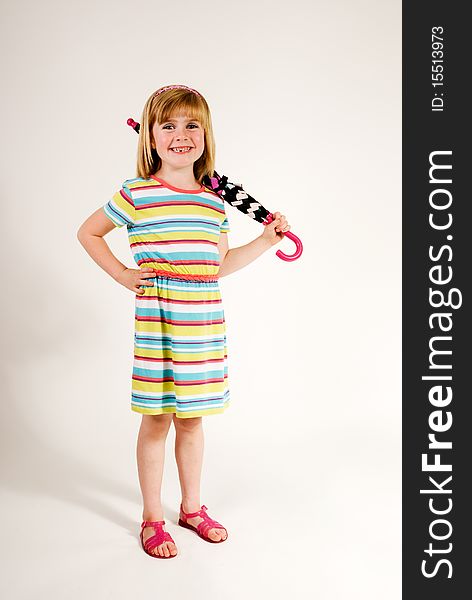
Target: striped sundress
pixel 180 352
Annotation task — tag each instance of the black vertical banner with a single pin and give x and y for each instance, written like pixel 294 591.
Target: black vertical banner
pixel 437 255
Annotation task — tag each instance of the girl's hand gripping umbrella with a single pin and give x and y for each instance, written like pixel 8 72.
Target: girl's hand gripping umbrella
pixel 235 195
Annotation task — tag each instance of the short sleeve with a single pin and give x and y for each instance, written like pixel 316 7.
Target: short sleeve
pixel 120 208
pixel 224 225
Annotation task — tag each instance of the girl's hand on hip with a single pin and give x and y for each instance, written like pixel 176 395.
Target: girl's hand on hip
pixel 274 232
pixel 133 278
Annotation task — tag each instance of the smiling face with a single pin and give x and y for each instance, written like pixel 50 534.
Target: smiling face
pixel 179 141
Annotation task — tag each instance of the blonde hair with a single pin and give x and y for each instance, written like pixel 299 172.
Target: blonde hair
pixel 162 107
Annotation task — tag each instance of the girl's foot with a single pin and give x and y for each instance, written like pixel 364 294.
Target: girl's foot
pixel 166 549
pixel 216 534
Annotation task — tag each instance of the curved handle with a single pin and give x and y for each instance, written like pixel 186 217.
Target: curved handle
pixel 291 236
pixel 298 250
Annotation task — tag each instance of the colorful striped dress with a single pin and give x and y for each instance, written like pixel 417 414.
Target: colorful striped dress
pixel 180 352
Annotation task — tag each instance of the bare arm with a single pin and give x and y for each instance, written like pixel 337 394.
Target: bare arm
pixel 237 258
pixel 233 259
pixel 90 235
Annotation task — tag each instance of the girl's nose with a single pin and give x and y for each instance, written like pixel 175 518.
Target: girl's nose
pixel 181 135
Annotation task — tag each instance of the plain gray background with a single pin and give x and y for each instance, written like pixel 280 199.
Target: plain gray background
pixel 304 467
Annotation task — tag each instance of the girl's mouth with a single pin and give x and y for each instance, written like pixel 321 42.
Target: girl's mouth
pixel 182 149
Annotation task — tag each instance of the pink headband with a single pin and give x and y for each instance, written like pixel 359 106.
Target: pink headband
pixel 174 87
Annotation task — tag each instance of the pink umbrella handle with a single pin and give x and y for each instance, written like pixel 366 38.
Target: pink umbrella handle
pixel 291 236
pixel 298 250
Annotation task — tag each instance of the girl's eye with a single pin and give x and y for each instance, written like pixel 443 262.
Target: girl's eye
pixel 192 125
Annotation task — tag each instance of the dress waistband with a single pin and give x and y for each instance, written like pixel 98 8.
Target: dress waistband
pixel 185 277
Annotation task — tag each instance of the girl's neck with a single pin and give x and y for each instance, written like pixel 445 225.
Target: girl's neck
pixel 179 178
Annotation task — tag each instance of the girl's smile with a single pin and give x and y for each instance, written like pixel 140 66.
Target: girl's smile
pixel 181 149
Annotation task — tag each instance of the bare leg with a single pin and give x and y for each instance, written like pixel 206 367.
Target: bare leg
pixel 150 454
pixel 189 444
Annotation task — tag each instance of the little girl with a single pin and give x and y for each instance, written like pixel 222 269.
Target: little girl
pixel 177 230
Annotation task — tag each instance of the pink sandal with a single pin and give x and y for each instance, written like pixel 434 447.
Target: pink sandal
pixel 159 538
pixel 202 528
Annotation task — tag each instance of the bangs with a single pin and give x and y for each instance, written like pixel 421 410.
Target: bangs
pixel 188 105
